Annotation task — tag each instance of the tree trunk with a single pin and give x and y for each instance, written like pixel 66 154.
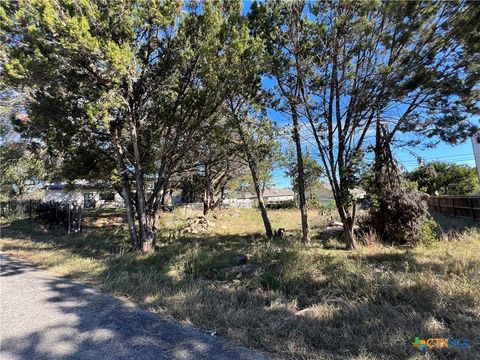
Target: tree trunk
pixel 379 220
pixel 141 202
pixel 163 200
pixel 301 175
pixel 130 218
pixel 349 234
pixel 170 192
pixel 253 170
pixel 206 190
pixel 214 204
pixel 348 222
pixel 261 204
pixel 222 196
pixel 125 189
pixel 148 243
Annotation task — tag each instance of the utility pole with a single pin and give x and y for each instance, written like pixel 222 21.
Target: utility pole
pixel 476 151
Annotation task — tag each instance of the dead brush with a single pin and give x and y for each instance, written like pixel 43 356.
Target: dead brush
pixel 368 237
pixel 359 305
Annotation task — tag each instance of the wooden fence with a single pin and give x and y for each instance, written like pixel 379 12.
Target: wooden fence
pixel 460 206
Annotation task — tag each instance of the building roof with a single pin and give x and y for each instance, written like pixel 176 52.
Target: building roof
pixel 323 191
pixel 77 184
pixel 270 192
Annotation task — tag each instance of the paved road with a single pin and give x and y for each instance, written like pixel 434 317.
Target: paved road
pixel 49 317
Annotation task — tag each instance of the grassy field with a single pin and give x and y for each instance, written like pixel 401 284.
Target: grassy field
pixel 315 302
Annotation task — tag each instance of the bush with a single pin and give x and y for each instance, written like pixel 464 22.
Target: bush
pixel 201 262
pixel 270 281
pixel 290 204
pixel 324 206
pixel 427 234
pixel 398 211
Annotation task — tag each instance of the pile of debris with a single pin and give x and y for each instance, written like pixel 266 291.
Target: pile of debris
pixel 225 213
pixel 336 228
pixel 197 225
pixel 240 267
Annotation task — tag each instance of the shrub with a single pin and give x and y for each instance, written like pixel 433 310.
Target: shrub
pixel 324 206
pixel 290 204
pixel 202 262
pixel 270 281
pixel 399 212
pixel 427 234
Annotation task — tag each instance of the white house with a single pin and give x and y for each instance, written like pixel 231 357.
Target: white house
pixel 278 195
pixel 82 193
pixel 101 195
pixel 270 196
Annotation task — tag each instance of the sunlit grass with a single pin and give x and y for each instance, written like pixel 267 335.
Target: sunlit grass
pixel 368 304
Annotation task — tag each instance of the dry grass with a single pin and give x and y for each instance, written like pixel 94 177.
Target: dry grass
pixel 364 305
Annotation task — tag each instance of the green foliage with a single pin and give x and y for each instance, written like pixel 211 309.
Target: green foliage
pixel 121 92
pixel 21 170
pixel 324 206
pixel 260 139
pixel 346 66
pixel 446 178
pixel 427 235
pixel 312 172
pixel 400 213
pixel 270 281
pixel 142 93
pixel 22 164
pixel 197 261
pixel 100 65
pixel 290 204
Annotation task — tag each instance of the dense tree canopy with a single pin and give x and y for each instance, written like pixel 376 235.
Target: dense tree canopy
pixel 22 167
pixel 444 178
pixel 150 95
pixel 135 81
pixel 348 68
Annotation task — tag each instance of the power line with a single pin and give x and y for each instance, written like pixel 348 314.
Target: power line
pixel 438 158
pixel 445 156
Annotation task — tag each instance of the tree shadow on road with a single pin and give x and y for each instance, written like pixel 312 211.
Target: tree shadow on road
pixel 14 268
pixel 358 306
pixel 95 325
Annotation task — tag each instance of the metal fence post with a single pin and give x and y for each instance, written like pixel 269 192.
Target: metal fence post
pixel 69 219
pixel 80 218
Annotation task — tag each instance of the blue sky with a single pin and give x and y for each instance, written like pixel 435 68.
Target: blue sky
pixel 408 158
pixel 460 154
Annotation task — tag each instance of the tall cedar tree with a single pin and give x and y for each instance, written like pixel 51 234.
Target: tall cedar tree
pixel 402 66
pixel 276 23
pixel 245 109
pixel 135 80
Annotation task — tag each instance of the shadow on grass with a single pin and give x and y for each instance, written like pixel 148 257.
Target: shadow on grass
pixel 451 223
pixel 358 305
pixel 78 322
pixel 438 263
